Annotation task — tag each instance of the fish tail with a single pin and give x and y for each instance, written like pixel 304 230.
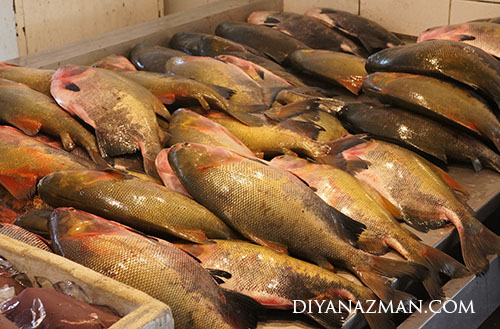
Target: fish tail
pixel 379 320
pixel 328 320
pixel 241 311
pixel 335 158
pixel 397 269
pixel 477 242
pixel 381 288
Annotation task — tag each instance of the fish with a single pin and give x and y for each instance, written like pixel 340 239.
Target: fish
pixel 36 79
pixel 271 139
pixel 188 126
pixel 435 98
pixel 276 280
pixel 370 34
pixel 20 234
pixel 25 161
pixel 201 44
pixel 272 43
pixel 171 89
pixel 341 69
pixel 167 175
pixel 121 111
pixel 152 58
pixel 116 63
pixel 153 266
pixel 264 77
pixel 33 112
pixel 418 133
pixel 249 194
pixel 307 30
pixel 420 194
pixel 342 191
pixel 248 96
pixel 442 58
pixel 478 34
pixel 141 204
pixel 35 221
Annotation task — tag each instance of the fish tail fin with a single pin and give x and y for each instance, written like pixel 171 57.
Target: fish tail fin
pixel 381 320
pixel 335 158
pixel 397 268
pixel 329 320
pixel 241 311
pixel 381 288
pixel 477 242
pixel 247 114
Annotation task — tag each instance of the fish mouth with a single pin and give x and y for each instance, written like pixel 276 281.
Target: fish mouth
pixel 179 146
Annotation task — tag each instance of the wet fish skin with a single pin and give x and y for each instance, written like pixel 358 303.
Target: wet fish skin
pixel 442 58
pixel 276 279
pixel 345 70
pixel 116 63
pixel 167 174
pixel 170 89
pixel 121 111
pixel 35 221
pixel 253 205
pixel 419 195
pixel 36 79
pixel 274 44
pixel 25 236
pixel 437 99
pixel 478 34
pixel 420 134
pixel 342 191
pixel 270 139
pixel 152 58
pixel 369 33
pixel 34 112
pixel 156 267
pixel 25 160
pixel 114 195
pixel 307 30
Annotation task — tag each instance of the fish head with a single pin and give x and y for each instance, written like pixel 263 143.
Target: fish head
pixel 187 42
pixel 192 159
pixel 70 222
pixel 263 18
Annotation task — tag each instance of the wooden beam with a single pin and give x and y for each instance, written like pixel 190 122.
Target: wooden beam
pixel 156 32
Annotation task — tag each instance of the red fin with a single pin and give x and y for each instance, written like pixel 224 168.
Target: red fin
pixel 275 246
pixel 166 98
pixel 353 83
pixel 30 127
pixel 453 184
pixel 21 187
pixel 190 234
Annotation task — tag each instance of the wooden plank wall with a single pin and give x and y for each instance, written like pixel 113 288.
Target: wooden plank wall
pixel 8 39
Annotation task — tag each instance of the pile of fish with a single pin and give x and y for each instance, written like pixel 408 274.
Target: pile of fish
pixel 238 172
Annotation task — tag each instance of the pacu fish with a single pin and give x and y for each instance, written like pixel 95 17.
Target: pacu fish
pixel 418 193
pixel 32 112
pixel 249 195
pixel 156 267
pixel 435 98
pixel 115 196
pixel 121 111
pixel 342 191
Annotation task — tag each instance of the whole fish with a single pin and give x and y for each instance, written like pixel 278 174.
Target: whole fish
pixel 371 35
pixel 24 160
pixel 156 267
pixel 152 58
pixel 417 193
pixel 435 98
pixel 115 63
pixel 264 77
pixel 275 279
pixel 23 235
pixel 342 191
pixel 142 204
pixel 188 126
pixel 37 79
pixel 271 139
pixel 249 194
pixel 420 134
pixel 201 44
pixel 442 58
pixel 272 43
pixel 482 35
pixel 307 30
pixel 248 95
pixel 170 89
pixel 342 69
pixel 32 112
pixel 121 111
